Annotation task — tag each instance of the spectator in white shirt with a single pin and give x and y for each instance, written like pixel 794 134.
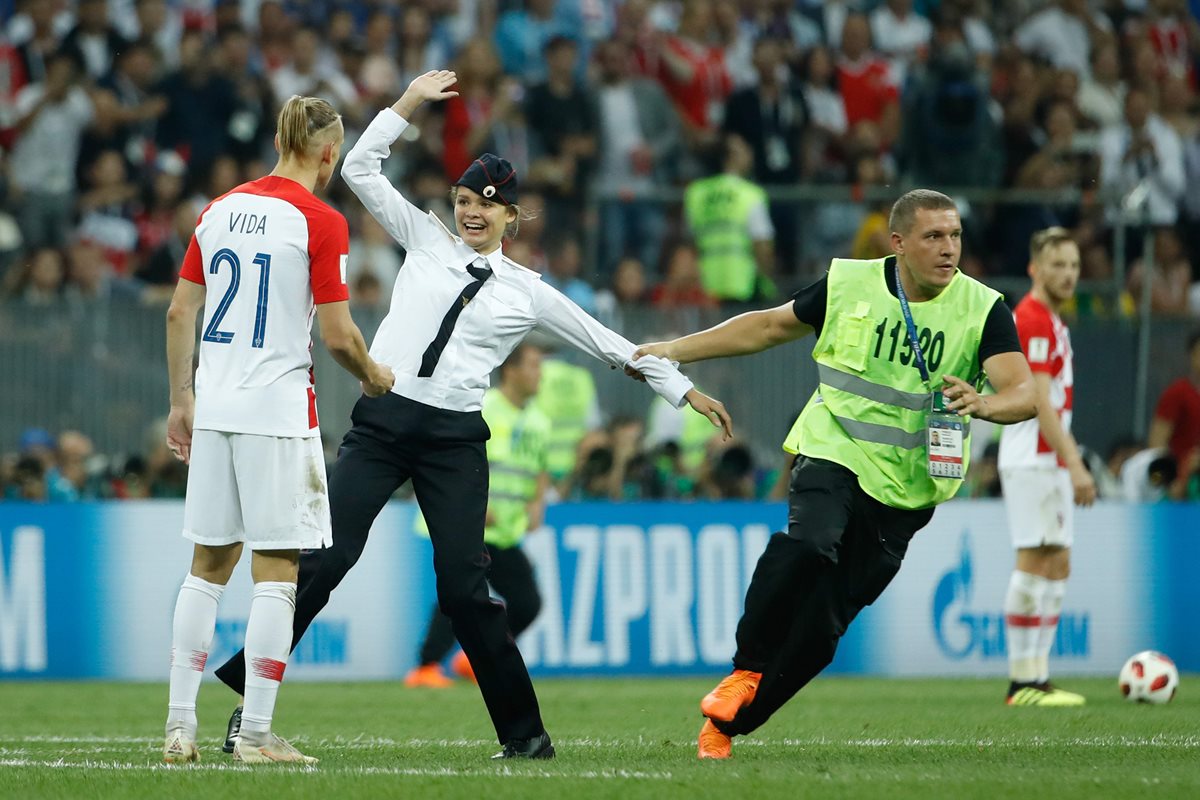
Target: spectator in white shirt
pixel 1101 96
pixel 900 33
pixel 311 74
pixel 1144 148
pixel 1063 34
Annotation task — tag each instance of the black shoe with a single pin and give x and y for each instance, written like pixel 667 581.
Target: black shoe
pixel 231 733
pixel 537 747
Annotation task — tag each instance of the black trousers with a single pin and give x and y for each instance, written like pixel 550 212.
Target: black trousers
pixel 393 440
pixel 511 575
pixel 841 550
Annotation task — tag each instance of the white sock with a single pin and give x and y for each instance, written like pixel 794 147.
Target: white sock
pixel 268 641
pixel 1051 608
pixel 1023 622
pixel 191 636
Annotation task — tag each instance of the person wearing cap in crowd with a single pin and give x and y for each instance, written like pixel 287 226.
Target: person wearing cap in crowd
pixel 458 309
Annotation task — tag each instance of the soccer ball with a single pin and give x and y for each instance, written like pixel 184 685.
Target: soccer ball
pixel 1149 677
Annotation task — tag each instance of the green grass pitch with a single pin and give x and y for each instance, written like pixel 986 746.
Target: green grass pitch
pixel 626 739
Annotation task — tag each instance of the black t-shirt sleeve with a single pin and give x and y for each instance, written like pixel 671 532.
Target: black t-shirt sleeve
pixel 808 304
pixel 999 333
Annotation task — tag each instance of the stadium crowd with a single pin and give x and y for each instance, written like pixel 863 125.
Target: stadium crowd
pixel 629 121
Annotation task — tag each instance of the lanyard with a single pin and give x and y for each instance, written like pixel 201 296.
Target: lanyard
pixel 918 356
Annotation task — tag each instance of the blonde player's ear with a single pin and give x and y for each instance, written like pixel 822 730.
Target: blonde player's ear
pixel 277 150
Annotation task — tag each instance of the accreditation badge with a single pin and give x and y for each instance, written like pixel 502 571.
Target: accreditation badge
pixel 944 434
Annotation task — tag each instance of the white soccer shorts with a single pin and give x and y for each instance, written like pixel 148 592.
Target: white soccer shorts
pixel 267 491
pixel 1040 505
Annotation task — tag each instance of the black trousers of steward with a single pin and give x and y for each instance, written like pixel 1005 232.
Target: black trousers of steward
pixel 511 575
pixel 393 440
pixel 841 550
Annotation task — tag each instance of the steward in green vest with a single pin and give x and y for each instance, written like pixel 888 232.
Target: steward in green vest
pixel 567 396
pixel 731 225
pixel 901 344
pixel 517 462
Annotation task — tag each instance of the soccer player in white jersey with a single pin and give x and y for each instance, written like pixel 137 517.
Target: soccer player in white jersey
pixel 263 259
pixel 1043 476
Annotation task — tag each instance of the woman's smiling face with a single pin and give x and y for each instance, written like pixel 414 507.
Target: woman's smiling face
pixel 480 221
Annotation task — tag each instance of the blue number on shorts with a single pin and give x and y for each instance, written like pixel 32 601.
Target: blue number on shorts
pixel 211 331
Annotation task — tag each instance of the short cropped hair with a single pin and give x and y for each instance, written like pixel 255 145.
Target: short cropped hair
pixel 1050 237
pixel 517 355
pixel 904 211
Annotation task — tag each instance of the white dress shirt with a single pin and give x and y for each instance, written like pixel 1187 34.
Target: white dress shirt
pixel 513 301
pixel 1164 172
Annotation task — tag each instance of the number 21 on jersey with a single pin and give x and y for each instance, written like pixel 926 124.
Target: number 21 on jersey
pixel 212 331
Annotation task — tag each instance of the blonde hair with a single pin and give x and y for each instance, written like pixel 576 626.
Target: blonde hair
pixel 304 122
pixel 1050 237
pixel 511 229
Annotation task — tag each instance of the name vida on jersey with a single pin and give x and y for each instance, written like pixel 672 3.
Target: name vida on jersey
pixel 248 223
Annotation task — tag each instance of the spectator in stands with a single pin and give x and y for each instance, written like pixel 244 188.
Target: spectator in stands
pixel 28 482
pixel 564 260
pixel 314 73
pixel 93 38
pixel 1177 107
pixel 735 35
pixel 772 117
pixel 949 133
pixel 127 107
pixel 728 474
pixel 159 272
pixel 1171 275
pixel 1063 34
pixel 68 479
pixel 106 209
pixel 372 252
pixel 1143 148
pixel 485 100
pixel 155 216
pixel 692 71
pixel 41 40
pixel 873 238
pixel 561 116
pixel 38 282
pixel 1176 423
pixel 201 103
pixel 681 286
pixel 252 123
pixel 639 143
pixel 52 115
pixel 626 292
pixel 728 219
pixel 419 50
pixel 901 34
pixel 866 82
pixel 781 21
pixel 89 276
pixel 1101 97
pixel 1174 33
pixel 827 116
pixel 161 24
pixel 367 292
pixel 522 35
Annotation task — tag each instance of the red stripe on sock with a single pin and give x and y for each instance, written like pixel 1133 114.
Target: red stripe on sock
pixel 198 660
pixel 1023 621
pixel 268 668
pixel 1050 620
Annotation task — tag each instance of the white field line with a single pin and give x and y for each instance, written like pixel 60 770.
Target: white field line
pixel 373 742
pixel 445 772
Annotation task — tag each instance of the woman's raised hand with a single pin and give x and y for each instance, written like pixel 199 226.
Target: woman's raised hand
pixel 433 85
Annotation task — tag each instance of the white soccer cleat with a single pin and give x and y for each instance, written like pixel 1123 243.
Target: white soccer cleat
pixel 180 749
pixel 275 751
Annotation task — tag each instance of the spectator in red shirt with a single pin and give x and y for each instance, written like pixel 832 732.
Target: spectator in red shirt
pixel 681 286
pixel 693 72
pixel 866 82
pixel 1176 423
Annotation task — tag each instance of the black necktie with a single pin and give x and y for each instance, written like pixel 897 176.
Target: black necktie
pixel 433 352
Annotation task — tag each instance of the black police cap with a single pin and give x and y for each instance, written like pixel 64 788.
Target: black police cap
pixel 492 177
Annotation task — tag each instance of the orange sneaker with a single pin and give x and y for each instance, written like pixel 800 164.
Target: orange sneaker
pixel 713 743
pixel 428 676
pixel 734 691
pixel 460 665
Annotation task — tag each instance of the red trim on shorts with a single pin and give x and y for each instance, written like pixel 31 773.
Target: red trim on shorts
pixel 312 408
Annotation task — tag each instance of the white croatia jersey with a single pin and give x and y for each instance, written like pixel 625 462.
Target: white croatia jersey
pixel 266 252
pixel 1047 346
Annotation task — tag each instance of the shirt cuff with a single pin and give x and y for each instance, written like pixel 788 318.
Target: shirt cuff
pixel 664 378
pixel 390 124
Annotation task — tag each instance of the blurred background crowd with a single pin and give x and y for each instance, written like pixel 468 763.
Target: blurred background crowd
pixel 677 154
